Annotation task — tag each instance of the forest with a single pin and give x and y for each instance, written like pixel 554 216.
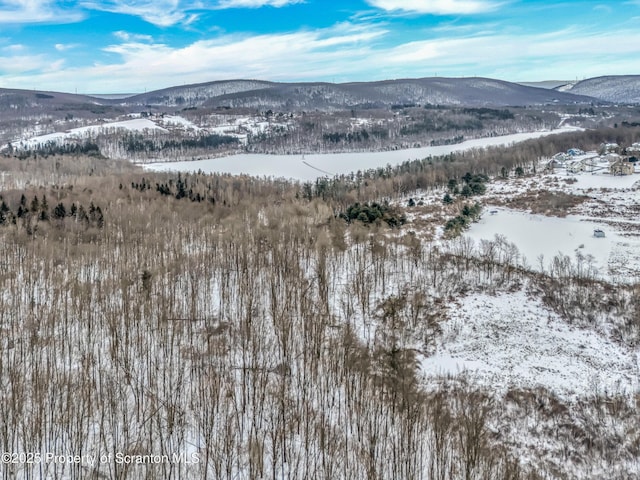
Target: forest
pixel 270 329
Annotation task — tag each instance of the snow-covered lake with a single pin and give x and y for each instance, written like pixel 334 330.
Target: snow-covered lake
pixel 537 235
pixel 313 166
pixel 616 257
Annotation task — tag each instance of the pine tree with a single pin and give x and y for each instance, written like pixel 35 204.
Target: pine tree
pixel 99 217
pixel 59 212
pixel 35 205
pixel 82 216
pixel 4 213
pixel 44 209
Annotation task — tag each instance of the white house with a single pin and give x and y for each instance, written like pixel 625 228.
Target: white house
pixel 575 166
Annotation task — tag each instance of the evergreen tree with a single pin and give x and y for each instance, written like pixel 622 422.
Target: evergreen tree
pixel 92 212
pixel 44 209
pixel 59 212
pixel 4 213
pixel 35 205
pixel 82 216
pixel 99 217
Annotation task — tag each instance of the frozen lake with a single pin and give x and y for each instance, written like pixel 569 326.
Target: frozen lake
pixel 313 166
pixel 538 235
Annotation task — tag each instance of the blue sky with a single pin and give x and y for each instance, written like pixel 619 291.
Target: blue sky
pixel 113 46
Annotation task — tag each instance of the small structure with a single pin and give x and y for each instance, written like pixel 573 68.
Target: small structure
pixel 621 167
pixel 598 233
pixel 553 164
pixel 575 166
pixel 575 152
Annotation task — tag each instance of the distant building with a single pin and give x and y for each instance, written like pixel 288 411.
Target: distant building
pixel 575 166
pixel 553 164
pixel 575 152
pixel 621 167
pixel 606 148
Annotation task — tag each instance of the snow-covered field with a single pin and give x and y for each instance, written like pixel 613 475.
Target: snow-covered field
pixel 238 127
pixel 310 167
pixel 136 124
pixel 511 340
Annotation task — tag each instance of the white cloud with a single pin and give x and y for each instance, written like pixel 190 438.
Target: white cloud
pixel 163 13
pixel 23 66
pixel 36 11
pixel 603 8
pixel 256 3
pixel 560 54
pixel 345 52
pixel 308 55
pixel 63 47
pixel 132 37
pixel 14 48
pixel 436 7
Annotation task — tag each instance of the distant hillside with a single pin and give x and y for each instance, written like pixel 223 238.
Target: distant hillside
pixel 15 99
pixel 196 94
pixel 615 89
pixel 263 95
pixel 305 96
pixel 545 84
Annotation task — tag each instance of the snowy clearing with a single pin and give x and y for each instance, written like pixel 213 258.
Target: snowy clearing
pixel 137 124
pixel 511 340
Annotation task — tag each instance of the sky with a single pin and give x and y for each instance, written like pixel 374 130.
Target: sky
pixel 131 46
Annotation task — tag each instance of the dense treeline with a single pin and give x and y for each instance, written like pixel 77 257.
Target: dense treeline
pixel 137 143
pixel 405 126
pixel 436 172
pixel 86 147
pixel 37 215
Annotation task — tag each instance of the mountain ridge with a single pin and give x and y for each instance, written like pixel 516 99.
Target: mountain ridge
pixel 610 88
pixel 261 94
